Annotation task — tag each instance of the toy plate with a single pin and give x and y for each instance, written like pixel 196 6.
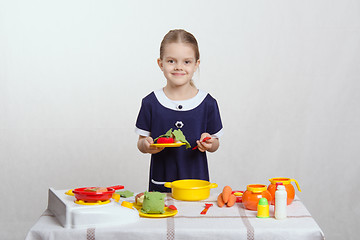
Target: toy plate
pixel 168 213
pixel 167 144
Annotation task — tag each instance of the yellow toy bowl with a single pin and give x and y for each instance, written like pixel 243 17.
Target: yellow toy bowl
pixel 190 189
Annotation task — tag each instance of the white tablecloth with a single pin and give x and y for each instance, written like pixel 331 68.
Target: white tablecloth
pixel 219 223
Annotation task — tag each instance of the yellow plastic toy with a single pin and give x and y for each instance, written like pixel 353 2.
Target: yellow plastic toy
pixel 127 204
pixel 263 208
pixel 116 197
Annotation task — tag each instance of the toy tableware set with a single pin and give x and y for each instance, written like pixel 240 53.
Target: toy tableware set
pixel 280 192
pixel 91 207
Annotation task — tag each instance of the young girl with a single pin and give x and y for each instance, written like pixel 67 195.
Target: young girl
pixel 179 105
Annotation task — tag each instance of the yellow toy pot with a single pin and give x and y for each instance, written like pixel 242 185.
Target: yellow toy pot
pixel 190 189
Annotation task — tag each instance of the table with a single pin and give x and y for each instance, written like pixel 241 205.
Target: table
pixel 218 223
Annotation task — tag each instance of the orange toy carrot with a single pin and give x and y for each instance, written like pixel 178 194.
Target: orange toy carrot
pixel 226 193
pixel 220 200
pixel 232 200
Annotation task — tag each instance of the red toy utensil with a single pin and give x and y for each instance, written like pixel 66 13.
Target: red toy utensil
pixel 207 206
pixel 204 140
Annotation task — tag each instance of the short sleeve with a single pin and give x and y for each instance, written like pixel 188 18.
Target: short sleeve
pixel 143 122
pixel 214 124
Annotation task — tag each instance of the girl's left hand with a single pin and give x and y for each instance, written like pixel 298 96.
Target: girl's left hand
pixel 207 145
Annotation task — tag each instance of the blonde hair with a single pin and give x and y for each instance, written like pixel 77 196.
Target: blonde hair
pixel 180 36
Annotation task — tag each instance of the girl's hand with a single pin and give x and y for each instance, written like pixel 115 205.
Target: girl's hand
pixel 144 145
pixel 210 145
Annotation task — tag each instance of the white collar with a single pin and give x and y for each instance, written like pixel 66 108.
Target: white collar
pixel 184 105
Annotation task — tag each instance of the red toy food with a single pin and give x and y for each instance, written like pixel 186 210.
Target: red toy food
pixel 165 140
pixel 139 199
pixel 172 207
pixel 172 137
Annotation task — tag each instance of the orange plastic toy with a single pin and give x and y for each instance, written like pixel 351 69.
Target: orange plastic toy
pixel 288 187
pixel 252 195
pixel 226 197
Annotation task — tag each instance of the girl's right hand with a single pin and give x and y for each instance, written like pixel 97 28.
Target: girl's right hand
pixel 144 145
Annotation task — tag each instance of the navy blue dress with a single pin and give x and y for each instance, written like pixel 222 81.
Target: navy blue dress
pixel 194 116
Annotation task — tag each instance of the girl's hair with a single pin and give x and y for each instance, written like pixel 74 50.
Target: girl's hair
pixel 180 36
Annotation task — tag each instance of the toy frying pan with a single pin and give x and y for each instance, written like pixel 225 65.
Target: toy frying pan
pixel 93 196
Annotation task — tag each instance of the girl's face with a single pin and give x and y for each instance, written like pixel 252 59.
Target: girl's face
pixel 178 64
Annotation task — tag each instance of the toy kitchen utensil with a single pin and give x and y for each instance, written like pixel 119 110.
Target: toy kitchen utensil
pixel 204 140
pixel 190 189
pixel 168 212
pixel 177 144
pixel 93 214
pixel 288 187
pixel 252 195
pixel 207 206
pixel 86 195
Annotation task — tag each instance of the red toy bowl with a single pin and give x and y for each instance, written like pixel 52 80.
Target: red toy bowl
pixel 238 198
pixel 81 194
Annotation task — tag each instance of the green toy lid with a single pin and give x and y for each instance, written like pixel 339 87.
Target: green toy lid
pixel 263 201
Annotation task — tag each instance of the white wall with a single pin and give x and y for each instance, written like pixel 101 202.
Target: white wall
pixel 285 73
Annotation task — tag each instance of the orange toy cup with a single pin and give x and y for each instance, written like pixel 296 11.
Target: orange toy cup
pixel 288 187
pixel 252 195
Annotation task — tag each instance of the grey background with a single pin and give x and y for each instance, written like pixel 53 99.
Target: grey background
pixel 285 74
